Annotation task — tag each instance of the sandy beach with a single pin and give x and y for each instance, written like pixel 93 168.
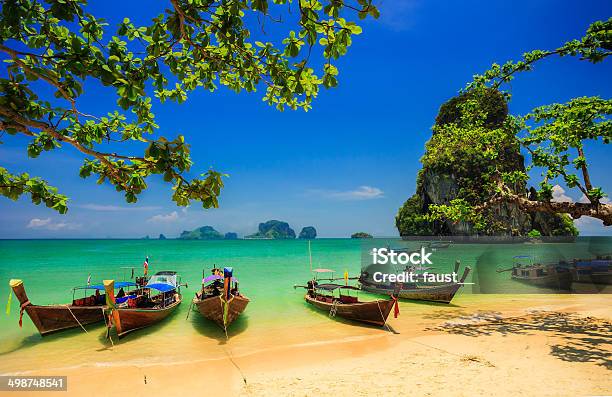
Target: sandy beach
pixel 551 345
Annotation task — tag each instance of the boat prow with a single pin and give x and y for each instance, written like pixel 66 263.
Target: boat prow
pixel 219 299
pixel 54 318
pixel 215 307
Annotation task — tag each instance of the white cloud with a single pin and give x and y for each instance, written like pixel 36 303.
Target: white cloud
pixel 38 223
pixel 48 224
pixel 559 196
pixel 102 207
pixel 361 193
pixel 161 218
pixel 589 226
pixel 584 199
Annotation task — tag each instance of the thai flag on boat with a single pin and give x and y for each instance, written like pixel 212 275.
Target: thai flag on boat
pixel 146 265
pixel 89 280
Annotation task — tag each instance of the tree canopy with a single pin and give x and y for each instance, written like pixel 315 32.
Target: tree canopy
pixel 55 50
pixel 551 136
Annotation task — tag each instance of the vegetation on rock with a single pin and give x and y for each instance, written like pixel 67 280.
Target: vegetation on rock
pixel 201 233
pixel 274 230
pixel 475 155
pixel 361 235
pixel 308 233
pixel 231 236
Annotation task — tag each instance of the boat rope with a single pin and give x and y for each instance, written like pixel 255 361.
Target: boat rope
pixel 189 310
pixel 75 319
pixel 382 315
pixel 229 355
pixel 21 309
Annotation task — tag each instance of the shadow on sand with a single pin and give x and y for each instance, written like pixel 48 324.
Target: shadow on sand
pixel 582 339
pixel 210 329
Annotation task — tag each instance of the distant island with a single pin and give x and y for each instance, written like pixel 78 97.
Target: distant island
pixel 162 237
pixel 201 233
pixel 273 230
pixel 308 233
pixel 361 235
pixel 206 233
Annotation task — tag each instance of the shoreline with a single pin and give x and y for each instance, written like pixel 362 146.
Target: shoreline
pixel 533 338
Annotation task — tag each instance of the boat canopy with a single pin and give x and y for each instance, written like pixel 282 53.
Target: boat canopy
pixel 333 287
pixel 322 271
pixel 163 281
pixel 161 287
pixel 216 277
pixel 119 284
pixel 163 278
pixel 522 257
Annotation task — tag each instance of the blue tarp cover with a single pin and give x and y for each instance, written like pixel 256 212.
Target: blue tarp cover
pixel 161 287
pixel 119 284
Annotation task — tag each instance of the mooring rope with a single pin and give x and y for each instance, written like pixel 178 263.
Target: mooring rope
pixel 189 310
pixel 76 319
pixel 229 355
pixel 382 315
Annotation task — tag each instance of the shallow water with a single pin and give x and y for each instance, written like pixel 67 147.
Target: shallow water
pixel 267 269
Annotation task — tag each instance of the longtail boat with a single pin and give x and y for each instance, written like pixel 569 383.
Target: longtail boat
pixel 53 318
pixel 552 276
pixel 594 271
pixel 422 291
pixel 219 299
pixel 321 296
pixel 142 308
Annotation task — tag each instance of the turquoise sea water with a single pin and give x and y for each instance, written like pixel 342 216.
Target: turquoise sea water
pixel 267 270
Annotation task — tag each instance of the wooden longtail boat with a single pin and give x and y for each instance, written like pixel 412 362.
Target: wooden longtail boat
pixel 349 307
pixel 220 301
pixel 53 318
pixel 422 291
pixel 594 271
pixel 141 309
pixel 540 275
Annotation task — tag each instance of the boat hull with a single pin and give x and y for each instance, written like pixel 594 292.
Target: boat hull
pixel 128 320
pixel 54 318
pixel 561 281
pixel 50 319
pixel 437 293
pixel 212 309
pixel 375 312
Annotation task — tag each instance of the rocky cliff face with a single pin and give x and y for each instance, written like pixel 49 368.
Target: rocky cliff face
pixel 462 174
pixel 442 188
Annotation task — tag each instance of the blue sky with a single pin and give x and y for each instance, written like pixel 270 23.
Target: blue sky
pixel 348 164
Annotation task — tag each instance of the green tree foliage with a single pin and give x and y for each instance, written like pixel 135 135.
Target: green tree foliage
pixel 411 220
pixel 191 44
pixel 552 136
